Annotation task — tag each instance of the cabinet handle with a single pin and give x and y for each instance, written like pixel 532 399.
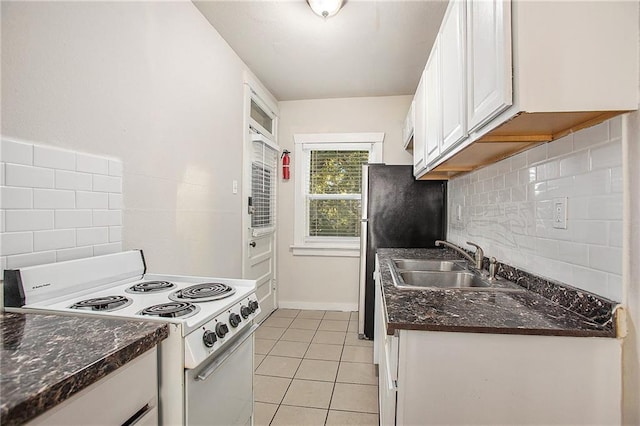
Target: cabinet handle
pixel 252 243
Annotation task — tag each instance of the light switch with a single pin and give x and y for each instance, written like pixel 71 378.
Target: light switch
pixel 560 213
pixel 459 213
pixel 235 186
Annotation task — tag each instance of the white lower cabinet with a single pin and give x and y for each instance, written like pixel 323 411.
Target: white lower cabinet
pixel 479 378
pixel 129 395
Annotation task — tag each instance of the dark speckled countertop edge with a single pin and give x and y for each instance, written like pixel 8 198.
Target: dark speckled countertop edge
pixel 546 310
pixel 52 395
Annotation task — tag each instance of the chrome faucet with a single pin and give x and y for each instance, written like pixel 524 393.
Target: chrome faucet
pixel 478 255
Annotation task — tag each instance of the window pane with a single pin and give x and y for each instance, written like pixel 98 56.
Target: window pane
pixel 334 218
pixel 261 117
pixel 336 172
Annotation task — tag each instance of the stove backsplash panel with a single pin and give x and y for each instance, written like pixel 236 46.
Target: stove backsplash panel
pixel 57 204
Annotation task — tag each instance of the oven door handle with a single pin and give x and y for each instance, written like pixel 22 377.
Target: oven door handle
pixel 211 368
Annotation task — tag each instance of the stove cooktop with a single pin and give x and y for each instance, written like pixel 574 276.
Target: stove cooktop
pixel 156 300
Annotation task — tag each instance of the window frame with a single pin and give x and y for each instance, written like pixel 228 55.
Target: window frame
pixel 304 143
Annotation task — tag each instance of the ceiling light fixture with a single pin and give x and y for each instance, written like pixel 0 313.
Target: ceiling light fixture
pixel 325 8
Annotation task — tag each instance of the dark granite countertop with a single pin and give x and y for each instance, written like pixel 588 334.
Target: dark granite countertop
pixel 560 310
pixel 45 359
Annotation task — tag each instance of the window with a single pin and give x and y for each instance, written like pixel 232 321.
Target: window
pixel 328 191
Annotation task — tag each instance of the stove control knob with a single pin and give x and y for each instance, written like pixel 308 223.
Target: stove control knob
pixel 245 312
pixel 209 338
pixel 221 329
pixel 253 305
pixel 234 320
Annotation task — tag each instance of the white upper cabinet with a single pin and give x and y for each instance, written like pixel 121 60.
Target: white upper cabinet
pixel 451 41
pixel 407 130
pixel 433 120
pixel 515 74
pixel 419 163
pixel 488 55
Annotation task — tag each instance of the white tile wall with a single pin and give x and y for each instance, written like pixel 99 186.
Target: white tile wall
pixel 57 204
pixel 507 208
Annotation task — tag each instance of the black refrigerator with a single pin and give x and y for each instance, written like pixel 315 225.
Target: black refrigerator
pixel 397 212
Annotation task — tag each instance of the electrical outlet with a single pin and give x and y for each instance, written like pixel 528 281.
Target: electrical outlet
pixel 560 213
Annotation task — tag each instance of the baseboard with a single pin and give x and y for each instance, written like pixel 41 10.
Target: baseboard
pixel 318 306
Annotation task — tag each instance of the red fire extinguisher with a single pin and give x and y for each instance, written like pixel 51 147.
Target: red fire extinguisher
pixel 285 165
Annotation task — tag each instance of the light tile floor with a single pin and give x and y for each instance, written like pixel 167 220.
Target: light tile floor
pixel 311 369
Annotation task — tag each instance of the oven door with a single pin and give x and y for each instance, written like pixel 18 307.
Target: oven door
pixel 220 391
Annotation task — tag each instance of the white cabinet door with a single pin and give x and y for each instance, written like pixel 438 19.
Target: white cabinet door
pixel 452 56
pixel 489 72
pixel 407 130
pixel 419 162
pixel 433 105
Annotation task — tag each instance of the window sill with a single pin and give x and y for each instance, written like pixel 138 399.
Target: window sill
pixel 325 250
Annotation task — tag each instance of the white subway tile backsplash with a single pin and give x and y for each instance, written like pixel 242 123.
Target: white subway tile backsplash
pixel 92 200
pixel 608 207
pixel 608 155
pixel 115 234
pixel 608 259
pixel 16 198
pixel 31 259
pixel 536 155
pixel 92 236
pixel 574 164
pixel 57 205
pixel 101 249
pixel 616 180
pixel 107 217
pixel 115 202
pixel 54 158
pixel 53 199
pixel 508 209
pixel 51 240
pixel 73 219
pixel 591 136
pixel 615 233
pixel 16 243
pixel 28 220
pixel 74 253
pixel 28 176
pixel 107 184
pixel 73 180
pixel 573 253
pixel 590 231
pixel 615 128
pixel 115 168
pixel 92 164
pixel 16 152
pixel 593 183
pixel 561 146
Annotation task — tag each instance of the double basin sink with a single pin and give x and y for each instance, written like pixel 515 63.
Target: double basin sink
pixel 443 274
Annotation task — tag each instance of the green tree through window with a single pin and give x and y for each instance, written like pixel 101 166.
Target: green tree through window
pixel 333 201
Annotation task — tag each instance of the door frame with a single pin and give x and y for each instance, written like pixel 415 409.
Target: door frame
pixel 253 90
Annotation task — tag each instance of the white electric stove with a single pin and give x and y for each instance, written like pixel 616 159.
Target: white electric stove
pixel 207 360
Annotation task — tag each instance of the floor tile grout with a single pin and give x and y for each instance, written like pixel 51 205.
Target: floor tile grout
pixel 339 361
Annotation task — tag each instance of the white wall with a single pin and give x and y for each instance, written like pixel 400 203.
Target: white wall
pixel 329 282
pixel 507 208
pixel 151 83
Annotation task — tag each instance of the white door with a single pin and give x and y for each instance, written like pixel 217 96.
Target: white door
pixel 419 132
pixel 261 174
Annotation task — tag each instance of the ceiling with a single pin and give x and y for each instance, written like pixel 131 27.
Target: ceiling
pixel 370 48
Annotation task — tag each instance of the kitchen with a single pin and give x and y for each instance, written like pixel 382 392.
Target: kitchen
pixel 133 81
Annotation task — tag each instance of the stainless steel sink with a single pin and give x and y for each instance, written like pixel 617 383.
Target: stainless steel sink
pixel 442 279
pixel 429 265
